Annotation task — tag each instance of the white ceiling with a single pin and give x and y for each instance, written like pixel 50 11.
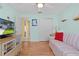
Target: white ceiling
pixel 31 8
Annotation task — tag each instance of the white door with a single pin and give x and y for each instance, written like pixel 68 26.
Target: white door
pixel 45 28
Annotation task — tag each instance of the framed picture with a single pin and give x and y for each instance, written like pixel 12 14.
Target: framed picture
pixel 34 22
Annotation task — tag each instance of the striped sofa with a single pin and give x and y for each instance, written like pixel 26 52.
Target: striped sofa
pixel 69 46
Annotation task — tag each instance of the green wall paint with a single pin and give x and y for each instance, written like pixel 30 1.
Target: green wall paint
pixel 70 25
pixel 6 10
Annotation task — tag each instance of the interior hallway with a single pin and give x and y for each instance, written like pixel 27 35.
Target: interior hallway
pixel 36 49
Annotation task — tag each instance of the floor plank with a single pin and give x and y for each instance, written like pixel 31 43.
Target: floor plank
pixel 36 49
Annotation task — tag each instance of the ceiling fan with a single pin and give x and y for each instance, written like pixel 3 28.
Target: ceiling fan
pixel 40 6
pixel 44 5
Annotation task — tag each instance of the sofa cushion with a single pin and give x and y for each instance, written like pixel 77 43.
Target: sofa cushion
pixel 61 48
pixel 72 39
pixel 59 36
pixel 66 37
pixel 76 41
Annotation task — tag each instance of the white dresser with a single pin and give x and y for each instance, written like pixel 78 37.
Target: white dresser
pixel 9 46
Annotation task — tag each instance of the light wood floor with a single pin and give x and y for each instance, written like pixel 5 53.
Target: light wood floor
pixel 36 49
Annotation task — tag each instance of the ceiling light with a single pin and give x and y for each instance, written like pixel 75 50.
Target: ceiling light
pixel 40 5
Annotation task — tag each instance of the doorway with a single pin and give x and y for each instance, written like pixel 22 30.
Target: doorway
pixel 27 30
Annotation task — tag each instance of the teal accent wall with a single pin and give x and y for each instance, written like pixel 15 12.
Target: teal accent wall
pixel 70 25
pixel 34 30
pixel 6 10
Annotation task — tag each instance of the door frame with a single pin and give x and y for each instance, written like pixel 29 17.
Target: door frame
pixel 24 21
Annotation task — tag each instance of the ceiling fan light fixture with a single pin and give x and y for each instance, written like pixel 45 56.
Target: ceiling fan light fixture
pixel 40 5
